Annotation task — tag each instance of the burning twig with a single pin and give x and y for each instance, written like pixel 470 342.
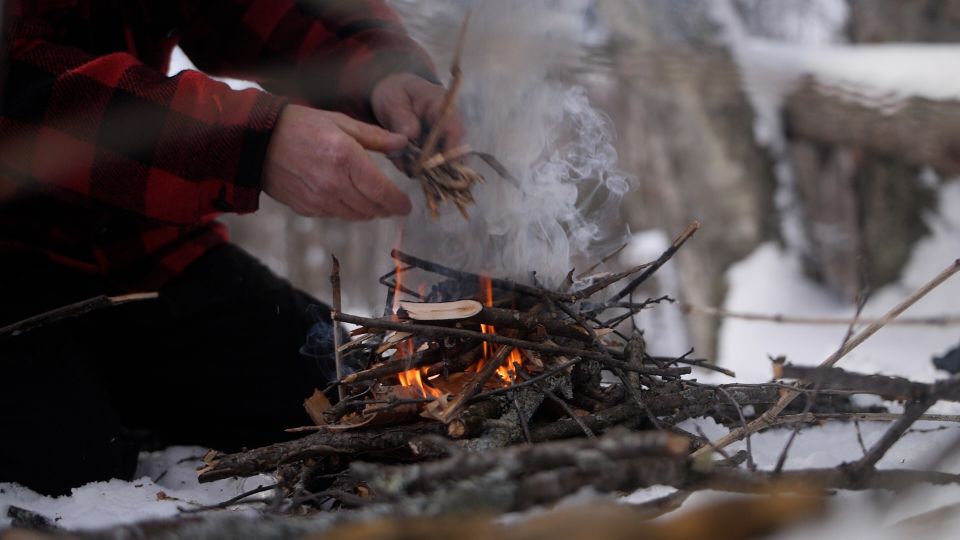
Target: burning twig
pixel 474 388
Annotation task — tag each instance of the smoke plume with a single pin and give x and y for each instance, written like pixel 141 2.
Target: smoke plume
pixel 517 107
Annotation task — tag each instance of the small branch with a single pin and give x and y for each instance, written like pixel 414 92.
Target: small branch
pixel 706 311
pixel 73 310
pixel 232 501
pixel 449 99
pixel 461 275
pixel 439 332
pixel 467 394
pixel 337 307
pixel 552 396
pixel 666 256
pixel 533 380
pixel 912 413
pixel 764 420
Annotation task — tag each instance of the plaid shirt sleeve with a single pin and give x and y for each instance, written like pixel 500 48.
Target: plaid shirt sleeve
pixel 329 53
pixel 108 130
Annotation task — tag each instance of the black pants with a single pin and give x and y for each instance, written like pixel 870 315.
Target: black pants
pixel 213 362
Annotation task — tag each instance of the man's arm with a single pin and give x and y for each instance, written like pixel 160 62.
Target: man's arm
pixel 329 53
pixel 112 131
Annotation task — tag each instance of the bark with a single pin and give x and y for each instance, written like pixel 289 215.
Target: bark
pixel 268 458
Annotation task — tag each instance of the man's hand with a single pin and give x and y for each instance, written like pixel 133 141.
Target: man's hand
pixel 407 104
pixel 317 165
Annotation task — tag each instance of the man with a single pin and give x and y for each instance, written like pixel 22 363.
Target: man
pixel 111 179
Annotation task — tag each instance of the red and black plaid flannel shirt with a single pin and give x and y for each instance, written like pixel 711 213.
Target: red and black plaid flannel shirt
pixel 111 167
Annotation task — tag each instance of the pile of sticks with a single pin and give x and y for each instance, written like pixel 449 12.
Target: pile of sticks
pixel 435 417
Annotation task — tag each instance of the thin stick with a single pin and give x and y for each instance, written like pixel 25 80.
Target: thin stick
pixel 232 501
pixel 910 416
pixel 605 282
pixel 666 256
pixel 73 310
pixel 764 420
pixel 454 408
pixel 436 332
pixel 552 396
pixel 337 306
pixel 533 380
pixel 707 311
pixel 522 417
pixel 430 145
pixel 616 367
pixel 812 398
pixel 462 275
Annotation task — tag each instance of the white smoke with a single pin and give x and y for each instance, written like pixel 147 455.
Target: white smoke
pixel 543 130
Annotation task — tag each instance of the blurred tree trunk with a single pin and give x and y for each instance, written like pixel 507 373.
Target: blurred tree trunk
pixel 858 166
pixel 686 131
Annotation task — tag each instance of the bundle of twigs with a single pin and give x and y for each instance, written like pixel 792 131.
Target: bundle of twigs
pixel 442 174
pixel 443 177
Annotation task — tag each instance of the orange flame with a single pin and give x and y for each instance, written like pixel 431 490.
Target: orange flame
pixel 414 378
pixel 508 371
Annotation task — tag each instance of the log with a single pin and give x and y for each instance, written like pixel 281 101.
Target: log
pixel 471 421
pixel 268 458
pixel 892 388
pixel 395 481
pixel 917 131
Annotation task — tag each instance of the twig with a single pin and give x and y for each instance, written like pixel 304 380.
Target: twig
pixel 661 506
pixel 607 281
pixel 811 399
pixel 464 276
pixel 706 311
pixel 522 417
pixel 616 367
pixel 666 256
pixel 533 380
pixel 398 365
pixel 913 412
pixel 856 427
pixel 437 332
pixel 337 307
pixel 446 108
pixel 73 310
pixel 604 260
pixel 457 405
pixel 552 396
pixel 788 397
pixel 231 501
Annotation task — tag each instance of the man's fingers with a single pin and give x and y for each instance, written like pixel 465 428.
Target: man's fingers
pixel 399 117
pixel 369 136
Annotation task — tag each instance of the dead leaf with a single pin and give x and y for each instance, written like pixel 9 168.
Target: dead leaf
pixel 316 406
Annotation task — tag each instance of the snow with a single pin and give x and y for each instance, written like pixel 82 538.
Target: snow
pixel 166 481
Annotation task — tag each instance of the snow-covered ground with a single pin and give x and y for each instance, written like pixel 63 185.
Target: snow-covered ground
pixel 165 482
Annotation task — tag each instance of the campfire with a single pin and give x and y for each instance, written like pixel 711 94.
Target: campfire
pixel 474 392
pixel 470 349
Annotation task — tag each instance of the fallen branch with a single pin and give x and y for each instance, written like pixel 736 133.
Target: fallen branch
pixel 765 419
pixel 720 313
pixel 73 310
